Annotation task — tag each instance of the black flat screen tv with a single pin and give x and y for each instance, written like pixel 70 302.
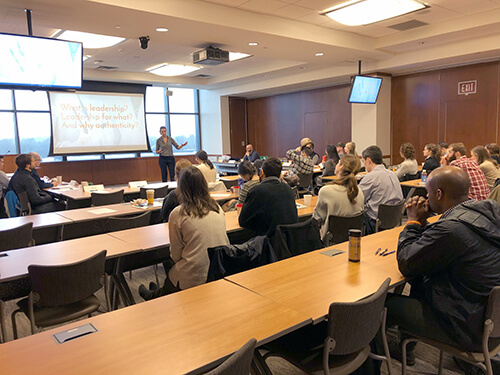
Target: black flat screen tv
pixel 365 89
pixel 34 62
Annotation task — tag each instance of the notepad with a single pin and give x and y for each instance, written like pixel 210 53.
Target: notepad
pixel 300 205
pixel 101 211
pixel 332 252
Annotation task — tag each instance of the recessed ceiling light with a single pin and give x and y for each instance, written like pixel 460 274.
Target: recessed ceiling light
pixel 319 54
pixel 118 27
pixel 161 29
pixel 364 12
pixel 170 70
pixel 253 44
pixel 233 56
pixel 90 40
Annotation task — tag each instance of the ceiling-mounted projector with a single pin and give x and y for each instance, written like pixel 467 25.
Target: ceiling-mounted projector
pixel 211 56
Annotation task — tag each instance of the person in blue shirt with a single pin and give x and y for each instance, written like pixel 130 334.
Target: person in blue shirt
pixel 251 155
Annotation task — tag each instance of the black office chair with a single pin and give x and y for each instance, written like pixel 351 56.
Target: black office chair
pixel 103 198
pixel 389 216
pixel 122 223
pixel 338 227
pixel 239 363
pixel 305 184
pixel 350 328
pixel 160 192
pixel 62 293
pixel 295 239
pixel 17 238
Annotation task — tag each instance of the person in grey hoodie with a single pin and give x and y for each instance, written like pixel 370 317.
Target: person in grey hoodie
pixel 453 264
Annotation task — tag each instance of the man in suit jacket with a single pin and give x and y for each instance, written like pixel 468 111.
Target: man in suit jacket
pixel 269 204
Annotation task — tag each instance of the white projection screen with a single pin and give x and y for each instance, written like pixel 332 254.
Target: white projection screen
pixel 93 123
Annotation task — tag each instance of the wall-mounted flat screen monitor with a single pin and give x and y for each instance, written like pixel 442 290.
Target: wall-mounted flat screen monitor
pixel 97 122
pixel 35 62
pixel 365 90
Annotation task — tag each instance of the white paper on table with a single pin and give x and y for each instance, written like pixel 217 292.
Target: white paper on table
pixel 100 211
pixel 220 195
pixel 299 205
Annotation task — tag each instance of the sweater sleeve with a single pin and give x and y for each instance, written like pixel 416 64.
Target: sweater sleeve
pixel 321 209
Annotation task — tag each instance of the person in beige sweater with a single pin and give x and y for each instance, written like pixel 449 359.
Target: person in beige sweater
pixel 489 166
pixel 194 226
pixel 342 197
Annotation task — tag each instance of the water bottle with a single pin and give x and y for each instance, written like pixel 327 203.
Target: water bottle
pixel 424 176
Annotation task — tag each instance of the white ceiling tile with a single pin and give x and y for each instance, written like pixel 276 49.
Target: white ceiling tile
pixel 229 3
pixel 374 31
pixel 293 11
pixel 435 14
pixel 289 1
pixel 478 7
pixel 263 6
pixel 314 18
pixel 319 5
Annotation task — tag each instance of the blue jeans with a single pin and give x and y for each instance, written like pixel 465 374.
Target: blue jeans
pixel 167 162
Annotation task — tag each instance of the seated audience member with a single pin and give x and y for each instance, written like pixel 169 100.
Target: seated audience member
pixel 332 159
pixel 489 166
pixel 494 151
pixel 453 264
pixel 43 185
pixel 340 148
pixel 379 186
pixel 194 226
pixel 171 201
pixel 341 197
pixel 251 155
pixel 456 156
pixel 248 173
pixel 350 149
pixel 270 203
pixel 316 159
pixel 4 183
pixel 21 181
pixel 443 148
pixel 301 160
pixel 432 156
pixel 409 164
pixel 206 167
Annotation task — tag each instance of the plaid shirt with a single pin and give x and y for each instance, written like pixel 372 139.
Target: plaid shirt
pixel 479 189
pixel 301 164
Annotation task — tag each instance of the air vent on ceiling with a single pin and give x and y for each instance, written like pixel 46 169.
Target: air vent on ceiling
pixel 408 25
pixel 106 67
pixel 202 76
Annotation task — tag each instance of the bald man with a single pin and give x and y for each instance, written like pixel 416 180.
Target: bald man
pixel 453 264
pixel 41 183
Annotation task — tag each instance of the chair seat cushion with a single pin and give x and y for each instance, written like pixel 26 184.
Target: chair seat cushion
pixel 48 316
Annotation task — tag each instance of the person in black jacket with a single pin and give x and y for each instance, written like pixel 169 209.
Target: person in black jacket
pixel 21 181
pixel 432 156
pixel 269 204
pixel 41 183
pixel 453 263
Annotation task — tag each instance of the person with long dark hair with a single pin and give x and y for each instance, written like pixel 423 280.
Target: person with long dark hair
pixel 341 197
pixel 194 226
pixel 432 156
pixel 164 148
pixel 206 167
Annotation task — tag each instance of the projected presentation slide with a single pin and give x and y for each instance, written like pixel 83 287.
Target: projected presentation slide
pixel 87 122
pixel 30 61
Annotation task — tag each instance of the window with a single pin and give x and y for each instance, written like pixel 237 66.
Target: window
pixel 26 127
pixel 178 113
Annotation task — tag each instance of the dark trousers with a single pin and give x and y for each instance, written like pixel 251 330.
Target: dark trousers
pixel 167 162
pixel 370 225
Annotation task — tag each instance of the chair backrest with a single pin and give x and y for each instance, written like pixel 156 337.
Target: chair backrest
pixel 160 192
pixel 339 226
pixel 493 311
pixel 68 283
pixel 25 203
pixel 121 223
pixel 353 325
pixel 102 199
pixel 409 176
pixel 390 215
pixel 239 363
pixel 17 238
pixel 297 238
pixel 13 205
pixel 305 180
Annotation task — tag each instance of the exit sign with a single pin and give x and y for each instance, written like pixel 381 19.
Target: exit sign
pixel 467 87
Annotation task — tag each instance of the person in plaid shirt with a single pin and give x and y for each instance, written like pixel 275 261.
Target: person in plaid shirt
pixel 302 164
pixel 456 156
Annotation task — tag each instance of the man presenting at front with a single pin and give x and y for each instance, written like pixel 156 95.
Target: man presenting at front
pixel 453 263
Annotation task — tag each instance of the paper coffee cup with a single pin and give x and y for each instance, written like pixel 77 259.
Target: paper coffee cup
pixel 235 190
pixel 307 199
pixel 59 180
pixel 151 196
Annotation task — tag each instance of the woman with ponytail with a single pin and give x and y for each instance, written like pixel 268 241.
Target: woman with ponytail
pixel 206 167
pixel 341 197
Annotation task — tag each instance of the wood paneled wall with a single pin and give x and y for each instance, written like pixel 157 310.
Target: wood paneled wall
pixel 107 172
pixel 426 108
pixel 238 128
pixel 278 123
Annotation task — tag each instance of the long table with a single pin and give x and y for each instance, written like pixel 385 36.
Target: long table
pixel 184 333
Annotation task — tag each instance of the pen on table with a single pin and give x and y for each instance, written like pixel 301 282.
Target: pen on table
pixel 390 252
pixel 383 252
pixel 376 252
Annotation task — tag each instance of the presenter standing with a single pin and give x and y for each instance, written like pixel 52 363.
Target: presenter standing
pixel 164 148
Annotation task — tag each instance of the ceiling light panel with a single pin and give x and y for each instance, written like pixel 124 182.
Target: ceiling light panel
pixel 89 40
pixel 233 56
pixel 171 70
pixel 364 12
